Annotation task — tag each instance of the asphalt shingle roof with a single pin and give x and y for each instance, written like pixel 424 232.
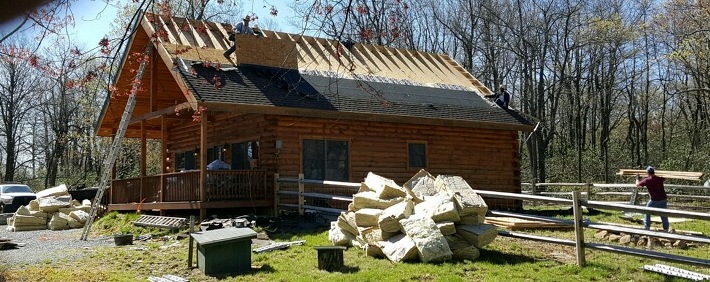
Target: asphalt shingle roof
pixel 267 86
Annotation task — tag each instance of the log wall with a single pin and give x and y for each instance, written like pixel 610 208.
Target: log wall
pixel 487 159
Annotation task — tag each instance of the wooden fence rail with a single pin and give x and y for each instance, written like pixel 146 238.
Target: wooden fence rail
pixel 579 224
pixel 683 196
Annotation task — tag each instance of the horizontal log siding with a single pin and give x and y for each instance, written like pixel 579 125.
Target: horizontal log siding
pixel 226 128
pixel 487 159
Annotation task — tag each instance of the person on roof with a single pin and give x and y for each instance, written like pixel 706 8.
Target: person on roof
pixel 656 190
pixel 501 98
pixel 240 28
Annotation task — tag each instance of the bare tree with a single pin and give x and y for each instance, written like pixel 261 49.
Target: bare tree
pixel 18 89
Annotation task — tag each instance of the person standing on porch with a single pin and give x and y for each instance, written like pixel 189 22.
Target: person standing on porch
pixel 657 191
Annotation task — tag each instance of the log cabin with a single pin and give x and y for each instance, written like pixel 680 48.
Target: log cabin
pixel 294 104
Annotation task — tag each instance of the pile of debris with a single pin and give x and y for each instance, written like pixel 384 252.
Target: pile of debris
pixel 7 244
pixel 649 242
pixel 53 209
pixel 428 219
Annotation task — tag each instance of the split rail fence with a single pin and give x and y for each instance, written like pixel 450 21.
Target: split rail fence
pixel 681 196
pixel 308 195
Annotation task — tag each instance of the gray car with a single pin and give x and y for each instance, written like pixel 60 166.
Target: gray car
pixel 12 196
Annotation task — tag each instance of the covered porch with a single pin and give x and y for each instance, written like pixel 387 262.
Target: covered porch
pixel 181 191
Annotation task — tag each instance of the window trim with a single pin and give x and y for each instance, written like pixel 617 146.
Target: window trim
pixel 426 154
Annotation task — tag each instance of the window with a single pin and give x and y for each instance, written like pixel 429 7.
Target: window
pixel 325 160
pixel 416 155
pixel 185 160
pixel 243 152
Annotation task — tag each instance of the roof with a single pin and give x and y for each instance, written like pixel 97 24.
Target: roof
pixel 287 88
pixel 223 235
pixel 282 73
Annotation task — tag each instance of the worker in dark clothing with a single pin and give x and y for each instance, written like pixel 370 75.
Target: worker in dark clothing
pixel 656 190
pixel 501 98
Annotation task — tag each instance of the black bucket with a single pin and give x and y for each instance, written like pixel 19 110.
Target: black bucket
pixel 330 258
pixel 123 239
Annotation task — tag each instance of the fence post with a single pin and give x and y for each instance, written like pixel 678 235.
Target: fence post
pixel 276 194
pixel 578 229
pixel 589 191
pixel 301 200
pixel 189 252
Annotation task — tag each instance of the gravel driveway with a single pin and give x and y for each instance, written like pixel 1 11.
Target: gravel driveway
pixel 48 246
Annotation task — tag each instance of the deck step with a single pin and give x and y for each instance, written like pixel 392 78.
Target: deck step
pixel 160 221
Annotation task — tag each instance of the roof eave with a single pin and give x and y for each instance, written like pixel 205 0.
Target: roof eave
pixel 117 76
pixel 272 110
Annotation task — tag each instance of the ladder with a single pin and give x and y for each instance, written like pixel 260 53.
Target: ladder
pixel 116 145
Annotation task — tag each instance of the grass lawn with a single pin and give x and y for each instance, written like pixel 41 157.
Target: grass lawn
pixel 505 259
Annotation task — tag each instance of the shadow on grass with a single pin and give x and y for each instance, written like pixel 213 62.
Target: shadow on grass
pixel 347 269
pixel 263 269
pixel 287 226
pixel 497 257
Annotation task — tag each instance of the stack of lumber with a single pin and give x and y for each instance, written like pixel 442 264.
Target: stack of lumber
pixel 519 223
pixel 687 175
pixel 428 219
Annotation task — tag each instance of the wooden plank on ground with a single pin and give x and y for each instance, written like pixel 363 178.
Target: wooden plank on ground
pixel 519 223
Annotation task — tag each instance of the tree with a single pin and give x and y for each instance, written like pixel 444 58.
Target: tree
pixel 18 89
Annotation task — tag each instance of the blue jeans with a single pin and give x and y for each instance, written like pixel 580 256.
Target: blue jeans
pixel 664 219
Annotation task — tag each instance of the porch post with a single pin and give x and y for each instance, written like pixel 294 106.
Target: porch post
pixel 203 164
pixel 144 156
pixel 277 187
pixel 301 198
pixel 113 177
pixel 166 163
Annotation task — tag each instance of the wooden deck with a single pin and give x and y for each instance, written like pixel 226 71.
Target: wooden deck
pixel 181 191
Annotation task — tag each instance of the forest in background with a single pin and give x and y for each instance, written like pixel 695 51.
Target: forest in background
pixel 613 83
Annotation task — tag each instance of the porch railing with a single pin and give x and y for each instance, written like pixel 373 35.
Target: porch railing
pixel 185 186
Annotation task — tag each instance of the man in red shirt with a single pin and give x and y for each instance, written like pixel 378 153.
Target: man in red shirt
pixel 659 199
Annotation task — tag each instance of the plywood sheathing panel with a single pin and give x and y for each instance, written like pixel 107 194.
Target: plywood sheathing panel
pixel 266 51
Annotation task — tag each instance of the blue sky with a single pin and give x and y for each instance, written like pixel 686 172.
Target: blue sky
pixel 93 18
